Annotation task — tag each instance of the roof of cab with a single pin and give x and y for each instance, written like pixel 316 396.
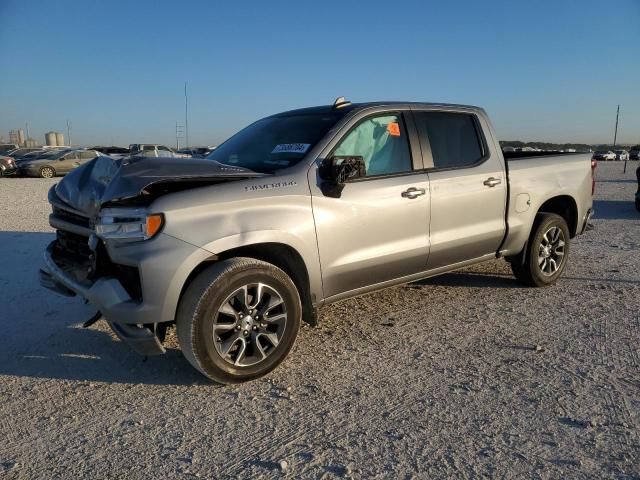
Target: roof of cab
pixel 349 107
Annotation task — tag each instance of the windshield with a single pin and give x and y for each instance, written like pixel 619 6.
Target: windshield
pixel 276 142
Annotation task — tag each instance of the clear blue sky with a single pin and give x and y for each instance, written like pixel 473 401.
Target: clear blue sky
pixel 545 70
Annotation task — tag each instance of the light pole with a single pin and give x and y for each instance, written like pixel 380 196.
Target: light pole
pixel 186 116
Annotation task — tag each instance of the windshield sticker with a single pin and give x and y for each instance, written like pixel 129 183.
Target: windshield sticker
pixel 291 148
pixel 394 129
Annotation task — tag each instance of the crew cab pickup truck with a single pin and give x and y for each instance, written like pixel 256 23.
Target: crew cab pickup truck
pixel 296 211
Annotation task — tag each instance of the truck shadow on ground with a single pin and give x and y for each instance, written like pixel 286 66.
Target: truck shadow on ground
pixel 615 210
pixel 617 181
pixel 42 338
pixel 95 356
pixel 487 279
pixel 470 280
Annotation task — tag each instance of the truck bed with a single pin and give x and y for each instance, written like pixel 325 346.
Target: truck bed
pixel 533 178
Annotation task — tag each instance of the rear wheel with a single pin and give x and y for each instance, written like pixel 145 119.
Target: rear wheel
pixel 47 172
pixel 238 319
pixel 546 252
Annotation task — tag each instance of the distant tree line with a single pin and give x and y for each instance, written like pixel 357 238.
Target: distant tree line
pixel 579 147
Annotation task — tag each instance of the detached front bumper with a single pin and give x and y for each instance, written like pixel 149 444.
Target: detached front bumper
pixel 164 264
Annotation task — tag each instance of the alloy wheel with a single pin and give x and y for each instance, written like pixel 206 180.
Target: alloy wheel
pixel 250 324
pixel 551 251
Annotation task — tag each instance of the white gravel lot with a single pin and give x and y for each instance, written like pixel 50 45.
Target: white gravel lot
pixel 463 375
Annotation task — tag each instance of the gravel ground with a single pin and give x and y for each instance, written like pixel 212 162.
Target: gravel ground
pixel 463 375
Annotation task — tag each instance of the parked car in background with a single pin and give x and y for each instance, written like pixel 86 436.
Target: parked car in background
pixel 7 166
pixel 622 155
pixel 7 147
pixel 20 152
pixel 34 154
pixel 604 155
pixel 634 153
pixel 55 163
pixel 196 152
pixel 154 150
pixel 112 150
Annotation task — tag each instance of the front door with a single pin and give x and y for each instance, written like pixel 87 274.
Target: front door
pixel 68 162
pixel 377 230
pixel 468 187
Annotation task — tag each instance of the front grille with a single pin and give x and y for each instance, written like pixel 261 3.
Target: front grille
pixel 71 252
pixel 71 217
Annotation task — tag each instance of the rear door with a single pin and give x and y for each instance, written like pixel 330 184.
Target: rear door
pixel 468 187
pixel 377 230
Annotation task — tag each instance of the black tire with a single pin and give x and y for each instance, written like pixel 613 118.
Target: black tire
pixel 638 204
pixel 531 272
pixel 199 313
pixel 47 172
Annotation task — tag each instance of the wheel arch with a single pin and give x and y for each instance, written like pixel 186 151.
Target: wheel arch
pixel 283 256
pixel 566 207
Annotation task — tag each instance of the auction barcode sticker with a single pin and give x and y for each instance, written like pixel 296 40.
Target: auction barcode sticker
pixel 291 148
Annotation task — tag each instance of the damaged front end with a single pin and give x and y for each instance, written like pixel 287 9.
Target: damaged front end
pixel 109 249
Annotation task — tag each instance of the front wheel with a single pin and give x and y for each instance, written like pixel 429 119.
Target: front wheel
pixel 546 252
pixel 238 319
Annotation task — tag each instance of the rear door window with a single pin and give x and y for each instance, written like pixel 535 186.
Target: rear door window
pixel 453 138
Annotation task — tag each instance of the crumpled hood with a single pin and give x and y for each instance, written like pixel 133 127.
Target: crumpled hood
pixel 106 179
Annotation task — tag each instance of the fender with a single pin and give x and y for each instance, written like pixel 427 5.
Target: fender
pixel 309 253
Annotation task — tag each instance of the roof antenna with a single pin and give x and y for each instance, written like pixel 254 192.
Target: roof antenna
pixel 340 102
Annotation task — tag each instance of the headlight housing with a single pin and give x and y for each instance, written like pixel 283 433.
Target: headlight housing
pixel 128 224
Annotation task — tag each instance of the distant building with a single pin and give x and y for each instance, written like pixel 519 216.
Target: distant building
pixel 17 137
pixel 13 137
pixel 50 139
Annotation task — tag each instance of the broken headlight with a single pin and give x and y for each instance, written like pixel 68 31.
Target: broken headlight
pixel 128 224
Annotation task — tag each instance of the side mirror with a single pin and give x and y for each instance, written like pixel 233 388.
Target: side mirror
pixel 338 170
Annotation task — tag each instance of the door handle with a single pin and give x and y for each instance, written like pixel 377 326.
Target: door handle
pixel 492 182
pixel 413 192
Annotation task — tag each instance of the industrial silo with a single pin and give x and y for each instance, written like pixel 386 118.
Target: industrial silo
pixel 50 139
pixel 59 138
pixel 21 137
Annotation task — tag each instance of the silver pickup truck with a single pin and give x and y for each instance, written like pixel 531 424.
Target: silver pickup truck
pixel 298 210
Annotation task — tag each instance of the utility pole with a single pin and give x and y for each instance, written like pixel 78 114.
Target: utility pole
pixel 615 138
pixel 615 134
pixel 186 116
pixel 68 132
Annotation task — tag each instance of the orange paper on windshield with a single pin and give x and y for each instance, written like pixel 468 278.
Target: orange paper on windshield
pixel 394 129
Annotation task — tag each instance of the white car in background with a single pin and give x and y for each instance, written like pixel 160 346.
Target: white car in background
pixel 153 150
pixel 604 155
pixel 622 155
